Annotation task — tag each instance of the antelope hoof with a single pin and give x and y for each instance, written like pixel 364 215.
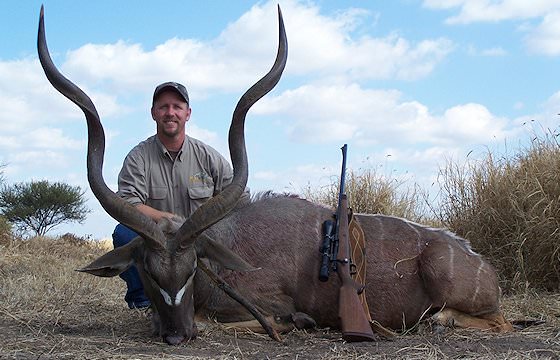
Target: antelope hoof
pixel 298 319
pixel 303 321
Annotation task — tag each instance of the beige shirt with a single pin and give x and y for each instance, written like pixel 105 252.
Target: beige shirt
pixel 151 176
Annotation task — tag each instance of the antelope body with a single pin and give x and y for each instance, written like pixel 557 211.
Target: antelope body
pixel 411 268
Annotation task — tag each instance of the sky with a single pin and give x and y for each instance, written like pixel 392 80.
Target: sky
pixel 407 84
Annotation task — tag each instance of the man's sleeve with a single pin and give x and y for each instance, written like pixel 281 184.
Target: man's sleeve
pixel 132 179
pixel 222 174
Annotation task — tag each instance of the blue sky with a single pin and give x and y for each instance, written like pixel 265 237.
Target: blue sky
pixel 408 84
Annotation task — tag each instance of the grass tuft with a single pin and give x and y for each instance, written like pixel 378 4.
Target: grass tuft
pixel 509 208
pixel 372 193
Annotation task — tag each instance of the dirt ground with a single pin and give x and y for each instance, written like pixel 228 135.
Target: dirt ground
pixel 126 334
pixel 49 311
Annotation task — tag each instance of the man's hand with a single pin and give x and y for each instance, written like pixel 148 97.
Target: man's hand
pixel 156 215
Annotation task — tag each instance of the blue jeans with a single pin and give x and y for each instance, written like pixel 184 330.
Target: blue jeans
pixel 135 296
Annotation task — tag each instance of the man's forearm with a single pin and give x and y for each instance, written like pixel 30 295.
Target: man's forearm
pixel 155 214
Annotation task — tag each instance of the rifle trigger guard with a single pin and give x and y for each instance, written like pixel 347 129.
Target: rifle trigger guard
pixel 353 268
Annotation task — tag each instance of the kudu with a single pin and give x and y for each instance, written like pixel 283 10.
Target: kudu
pixel 412 270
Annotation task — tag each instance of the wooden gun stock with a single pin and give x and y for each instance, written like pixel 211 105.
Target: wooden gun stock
pixel 354 322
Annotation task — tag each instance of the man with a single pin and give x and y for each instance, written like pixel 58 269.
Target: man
pixel 167 174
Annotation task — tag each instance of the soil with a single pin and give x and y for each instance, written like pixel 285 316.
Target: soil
pixel 50 311
pixel 127 335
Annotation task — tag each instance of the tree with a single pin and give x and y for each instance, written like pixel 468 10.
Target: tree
pixel 39 206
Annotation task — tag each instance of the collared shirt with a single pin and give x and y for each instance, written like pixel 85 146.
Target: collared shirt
pixel 151 175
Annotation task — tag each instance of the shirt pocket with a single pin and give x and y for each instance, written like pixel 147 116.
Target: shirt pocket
pixel 198 195
pixel 157 197
pixel 200 192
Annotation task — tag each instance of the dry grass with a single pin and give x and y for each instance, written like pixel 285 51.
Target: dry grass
pixel 48 311
pixel 509 208
pixel 372 193
pixel 38 279
pixel 5 232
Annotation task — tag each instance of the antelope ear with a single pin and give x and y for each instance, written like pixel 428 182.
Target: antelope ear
pixel 114 262
pixel 207 247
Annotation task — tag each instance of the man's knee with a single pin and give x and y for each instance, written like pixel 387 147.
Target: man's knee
pixel 122 235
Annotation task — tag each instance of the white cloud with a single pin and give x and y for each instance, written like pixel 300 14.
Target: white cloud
pixel 48 143
pixel 293 179
pixel 209 137
pixel 545 38
pixel 46 159
pixel 266 175
pixel 331 46
pixel 421 164
pixel 324 46
pixel 493 11
pixel 546 120
pixel 472 123
pixel 48 138
pixel 339 113
pixel 26 95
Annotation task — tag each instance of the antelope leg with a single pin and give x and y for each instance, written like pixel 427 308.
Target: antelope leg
pixel 240 299
pixel 493 321
pixel 282 324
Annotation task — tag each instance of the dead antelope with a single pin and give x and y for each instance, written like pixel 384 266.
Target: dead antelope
pixel 411 269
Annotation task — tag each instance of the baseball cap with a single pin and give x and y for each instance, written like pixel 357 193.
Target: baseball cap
pixel 171 85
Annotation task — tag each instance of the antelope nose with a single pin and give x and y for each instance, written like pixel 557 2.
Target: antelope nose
pixel 174 339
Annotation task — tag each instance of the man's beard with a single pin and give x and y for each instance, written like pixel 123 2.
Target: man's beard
pixel 170 131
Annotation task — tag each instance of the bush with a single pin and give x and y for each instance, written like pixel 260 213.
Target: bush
pixel 509 208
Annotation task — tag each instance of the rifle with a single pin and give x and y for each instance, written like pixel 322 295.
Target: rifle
pixel 336 251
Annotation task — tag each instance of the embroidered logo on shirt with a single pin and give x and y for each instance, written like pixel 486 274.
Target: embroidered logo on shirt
pixel 199 178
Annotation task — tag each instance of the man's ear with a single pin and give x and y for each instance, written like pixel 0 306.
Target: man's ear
pixel 208 248
pixel 115 261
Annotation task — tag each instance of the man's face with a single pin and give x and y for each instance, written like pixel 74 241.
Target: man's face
pixel 171 113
